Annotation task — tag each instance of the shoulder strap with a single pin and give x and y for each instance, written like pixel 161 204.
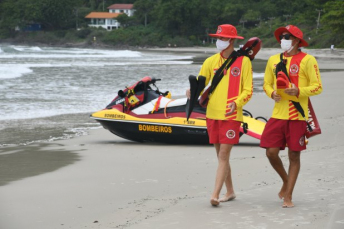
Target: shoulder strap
pixel 281 66
pixel 219 73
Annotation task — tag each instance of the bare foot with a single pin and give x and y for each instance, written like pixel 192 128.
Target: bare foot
pixel 228 197
pixel 287 203
pixel 214 202
pixel 282 192
pixel 280 195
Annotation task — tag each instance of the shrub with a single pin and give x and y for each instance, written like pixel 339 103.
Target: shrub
pixel 83 33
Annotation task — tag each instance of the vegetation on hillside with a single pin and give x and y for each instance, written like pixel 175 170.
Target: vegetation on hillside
pixel 174 22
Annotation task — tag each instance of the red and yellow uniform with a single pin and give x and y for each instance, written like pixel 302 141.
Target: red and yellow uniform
pixel 304 72
pixel 236 85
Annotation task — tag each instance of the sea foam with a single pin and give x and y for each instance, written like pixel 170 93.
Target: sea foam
pixel 8 71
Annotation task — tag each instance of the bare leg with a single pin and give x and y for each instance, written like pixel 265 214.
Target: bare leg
pixel 294 169
pixel 230 195
pixel 223 170
pixel 215 200
pixel 276 162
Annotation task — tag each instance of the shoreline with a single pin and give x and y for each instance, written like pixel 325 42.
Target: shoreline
pixel 264 53
pixel 99 180
pixel 199 54
pixel 96 179
pixel 327 58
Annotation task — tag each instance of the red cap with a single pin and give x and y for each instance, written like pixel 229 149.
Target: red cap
pixel 227 31
pixel 282 80
pixel 293 30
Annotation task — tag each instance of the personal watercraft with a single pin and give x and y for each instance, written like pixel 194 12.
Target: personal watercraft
pixel 144 114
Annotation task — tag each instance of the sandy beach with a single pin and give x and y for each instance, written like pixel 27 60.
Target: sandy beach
pixel 103 181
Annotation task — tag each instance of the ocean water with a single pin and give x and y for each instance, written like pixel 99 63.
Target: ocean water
pixel 48 93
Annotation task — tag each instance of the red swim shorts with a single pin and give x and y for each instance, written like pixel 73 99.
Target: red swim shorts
pixel 223 131
pixel 278 133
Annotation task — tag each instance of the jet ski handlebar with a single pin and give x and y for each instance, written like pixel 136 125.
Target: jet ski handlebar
pixel 138 86
pixel 153 81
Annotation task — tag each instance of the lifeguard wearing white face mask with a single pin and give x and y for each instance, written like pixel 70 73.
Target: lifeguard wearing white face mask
pixel 222 45
pixel 287 35
pixel 287 126
pixel 286 45
pixel 225 107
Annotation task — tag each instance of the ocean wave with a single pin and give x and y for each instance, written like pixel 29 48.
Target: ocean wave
pixel 51 81
pixel 258 75
pixel 8 71
pixel 26 49
pixel 13 51
pixel 101 57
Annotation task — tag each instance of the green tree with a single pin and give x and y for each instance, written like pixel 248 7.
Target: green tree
pixel 58 14
pixel 50 13
pixel 182 20
pixel 143 10
pixel 180 17
pixel 125 20
pixel 334 16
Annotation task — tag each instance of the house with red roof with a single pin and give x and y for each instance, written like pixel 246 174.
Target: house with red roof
pixel 107 20
pixel 122 8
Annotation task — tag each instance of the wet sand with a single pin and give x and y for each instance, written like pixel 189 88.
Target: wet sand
pixel 102 181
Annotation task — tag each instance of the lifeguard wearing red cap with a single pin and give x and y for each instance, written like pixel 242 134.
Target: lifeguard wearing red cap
pixel 293 30
pixel 227 31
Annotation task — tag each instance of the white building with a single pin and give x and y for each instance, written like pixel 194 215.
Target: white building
pixel 122 8
pixel 107 20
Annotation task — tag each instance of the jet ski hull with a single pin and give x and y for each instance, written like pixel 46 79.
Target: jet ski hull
pixel 156 132
pixel 175 130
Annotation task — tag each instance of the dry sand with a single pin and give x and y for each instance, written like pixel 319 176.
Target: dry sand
pixel 103 181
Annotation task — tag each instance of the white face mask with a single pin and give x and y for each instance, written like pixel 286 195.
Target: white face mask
pixel 221 45
pixel 286 45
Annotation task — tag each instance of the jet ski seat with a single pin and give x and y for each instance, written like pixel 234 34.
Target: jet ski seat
pixel 148 107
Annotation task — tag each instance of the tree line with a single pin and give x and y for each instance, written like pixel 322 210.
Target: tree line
pixel 186 22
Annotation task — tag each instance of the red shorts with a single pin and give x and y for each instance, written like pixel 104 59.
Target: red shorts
pixel 278 133
pixel 223 131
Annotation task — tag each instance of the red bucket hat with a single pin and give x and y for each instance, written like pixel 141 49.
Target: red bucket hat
pixel 227 31
pixel 293 30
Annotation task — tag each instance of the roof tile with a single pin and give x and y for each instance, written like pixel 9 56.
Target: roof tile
pixel 121 6
pixel 102 15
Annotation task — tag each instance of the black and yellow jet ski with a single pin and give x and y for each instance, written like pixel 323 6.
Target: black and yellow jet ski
pixel 144 114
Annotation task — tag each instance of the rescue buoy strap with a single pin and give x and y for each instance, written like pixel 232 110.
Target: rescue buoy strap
pixel 219 73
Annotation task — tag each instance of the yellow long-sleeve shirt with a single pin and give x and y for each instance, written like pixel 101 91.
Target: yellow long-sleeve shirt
pixel 221 96
pixel 304 72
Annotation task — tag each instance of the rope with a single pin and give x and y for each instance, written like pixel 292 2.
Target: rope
pixel 166 108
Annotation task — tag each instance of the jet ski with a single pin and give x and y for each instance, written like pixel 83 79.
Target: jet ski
pixel 142 113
